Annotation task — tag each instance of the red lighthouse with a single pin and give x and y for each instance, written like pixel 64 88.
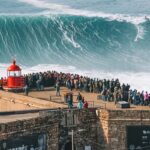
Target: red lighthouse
pixel 14 79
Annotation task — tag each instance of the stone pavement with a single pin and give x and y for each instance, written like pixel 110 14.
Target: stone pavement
pixel 17 117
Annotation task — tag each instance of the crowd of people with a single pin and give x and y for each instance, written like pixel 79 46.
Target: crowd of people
pixel 108 90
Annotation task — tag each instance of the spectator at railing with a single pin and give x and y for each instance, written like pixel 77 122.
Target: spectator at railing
pixel 85 104
pixel 79 97
pixel 83 100
pixel 80 105
pixel 69 101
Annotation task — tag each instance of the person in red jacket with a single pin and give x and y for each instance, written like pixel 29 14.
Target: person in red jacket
pixel 85 105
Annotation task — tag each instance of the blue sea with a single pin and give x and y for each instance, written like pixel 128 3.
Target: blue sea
pixel 100 38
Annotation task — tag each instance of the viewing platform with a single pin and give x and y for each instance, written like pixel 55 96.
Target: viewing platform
pixel 49 95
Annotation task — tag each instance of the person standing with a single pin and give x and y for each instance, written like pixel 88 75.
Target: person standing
pixel 1 83
pixel 80 104
pixel 79 97
pixel 70 101
pixel 85 105
pixel 146 98
pixel 26 90
pixel 57 89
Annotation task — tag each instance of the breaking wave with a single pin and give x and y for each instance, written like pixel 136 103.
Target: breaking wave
pixel 99 42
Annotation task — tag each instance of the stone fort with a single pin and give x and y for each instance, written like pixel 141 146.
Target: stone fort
pixel 59 128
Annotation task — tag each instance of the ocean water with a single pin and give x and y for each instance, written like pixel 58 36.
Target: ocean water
pixel 100 38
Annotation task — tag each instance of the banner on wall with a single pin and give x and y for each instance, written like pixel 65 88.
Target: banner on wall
pixel 138 137
pixel 87 147
pixel 31 142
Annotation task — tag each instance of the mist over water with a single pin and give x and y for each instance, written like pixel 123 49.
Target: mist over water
pixel 97 39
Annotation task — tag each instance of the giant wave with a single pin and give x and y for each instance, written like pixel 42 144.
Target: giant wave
pixel 80 41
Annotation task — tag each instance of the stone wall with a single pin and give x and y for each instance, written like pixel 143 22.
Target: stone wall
pixel 82 122
pixel 45 125
pixel 57 125
pixel 100 129
pixel 113 126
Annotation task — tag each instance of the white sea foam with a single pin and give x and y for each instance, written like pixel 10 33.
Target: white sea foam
pixel 53 8
pixel 139 81
pixel 65 9
pixel 43 4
